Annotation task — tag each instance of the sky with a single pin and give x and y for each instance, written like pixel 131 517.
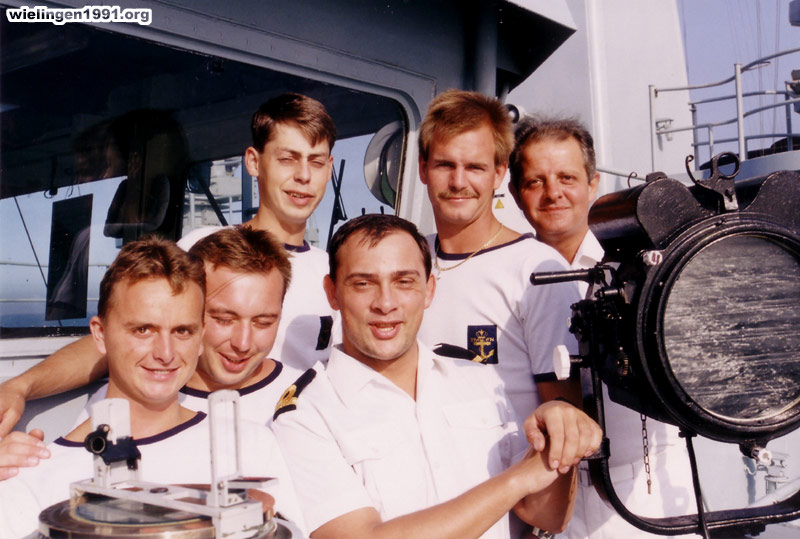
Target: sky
pixel 719 33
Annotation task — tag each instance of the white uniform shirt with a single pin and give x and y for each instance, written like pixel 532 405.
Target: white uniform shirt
pixel 488 305
pixel 671 493
pixel 357 440
pixel 306 330
pixel 178 455
pixel 589 253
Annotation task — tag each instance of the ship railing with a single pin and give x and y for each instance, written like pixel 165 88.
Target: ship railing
pixel 663 127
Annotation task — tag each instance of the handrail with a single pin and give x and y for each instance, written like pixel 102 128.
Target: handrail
pixel 746 67
pixel 746 94
pixel 741 114
pixel 664 131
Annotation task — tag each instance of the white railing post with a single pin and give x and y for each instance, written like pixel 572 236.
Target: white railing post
pixel 651 95
pixel 740 112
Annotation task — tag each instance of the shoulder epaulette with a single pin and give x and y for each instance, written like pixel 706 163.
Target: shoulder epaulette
pixel 455 352
pixel 288 400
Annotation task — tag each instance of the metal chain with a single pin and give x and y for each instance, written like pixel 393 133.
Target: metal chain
pixel 646 454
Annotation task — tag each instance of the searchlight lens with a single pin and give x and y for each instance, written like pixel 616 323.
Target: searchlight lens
pixel 731 328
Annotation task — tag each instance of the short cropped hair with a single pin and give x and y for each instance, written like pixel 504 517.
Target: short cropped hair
pixel 375 227
pixel 150 258
pixel 303 112
pixel 536 128
pixel 246 250
pixel 457 111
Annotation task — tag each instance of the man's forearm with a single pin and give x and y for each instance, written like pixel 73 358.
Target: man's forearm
pixel 468 515
pixel 73 366
pixel 551 509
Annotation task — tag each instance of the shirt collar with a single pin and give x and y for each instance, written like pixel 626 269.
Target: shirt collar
pixel 589 253
pixel 348 376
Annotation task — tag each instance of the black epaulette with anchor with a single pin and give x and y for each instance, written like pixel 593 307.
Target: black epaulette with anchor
pixel 288 400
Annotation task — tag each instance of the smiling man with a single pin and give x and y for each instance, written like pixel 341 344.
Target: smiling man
pixel 293 136
pixel 554 181
pixel 150 327
pixel 391 439
pixel 484 300
pixel 247 275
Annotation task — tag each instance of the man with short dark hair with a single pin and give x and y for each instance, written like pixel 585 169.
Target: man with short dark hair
pixel 554 181
pixel 150 328
pixel 391 439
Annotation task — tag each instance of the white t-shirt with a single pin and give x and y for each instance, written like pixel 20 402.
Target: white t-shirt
pixel 488 305
pixel 354 439
pixel 178 455
pixel 257 401
pixel 306 329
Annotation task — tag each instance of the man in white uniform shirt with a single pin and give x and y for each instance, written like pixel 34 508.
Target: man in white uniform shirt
pixel 484 300
pixel 388 438
pixel 554 181
pixel 150 327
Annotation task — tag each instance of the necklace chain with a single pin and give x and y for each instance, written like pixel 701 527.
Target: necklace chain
pixel 441 270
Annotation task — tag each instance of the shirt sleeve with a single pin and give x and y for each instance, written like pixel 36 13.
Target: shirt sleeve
pixel 19 509
pixel 264 453
pixel 515 443
pixel 546 313
pixel 326 485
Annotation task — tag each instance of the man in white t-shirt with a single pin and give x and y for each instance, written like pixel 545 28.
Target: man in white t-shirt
pixel 150 328
pixel 554 181
pixel 390 439
pixel 484 300
pixel 293 136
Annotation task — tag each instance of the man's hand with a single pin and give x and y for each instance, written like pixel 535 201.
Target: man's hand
pixel 12 404
pixel 20 449
pixel 571 434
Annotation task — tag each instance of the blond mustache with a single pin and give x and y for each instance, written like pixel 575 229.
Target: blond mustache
pixel 458 194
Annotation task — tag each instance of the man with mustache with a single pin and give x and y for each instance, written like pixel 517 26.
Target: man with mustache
pixel 484 299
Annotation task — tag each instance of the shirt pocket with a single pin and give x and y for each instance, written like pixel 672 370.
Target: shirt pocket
pixel 476 414
pixel 479 430
pixel 375 442
pixel 387 461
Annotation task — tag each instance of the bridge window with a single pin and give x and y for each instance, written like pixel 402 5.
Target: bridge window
pixel 106 138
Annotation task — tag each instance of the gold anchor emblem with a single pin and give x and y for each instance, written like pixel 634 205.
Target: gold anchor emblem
pixel 481 340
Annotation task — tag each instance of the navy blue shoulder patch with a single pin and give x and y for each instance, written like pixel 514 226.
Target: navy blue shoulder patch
pixel 455 352
pixel 288 400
